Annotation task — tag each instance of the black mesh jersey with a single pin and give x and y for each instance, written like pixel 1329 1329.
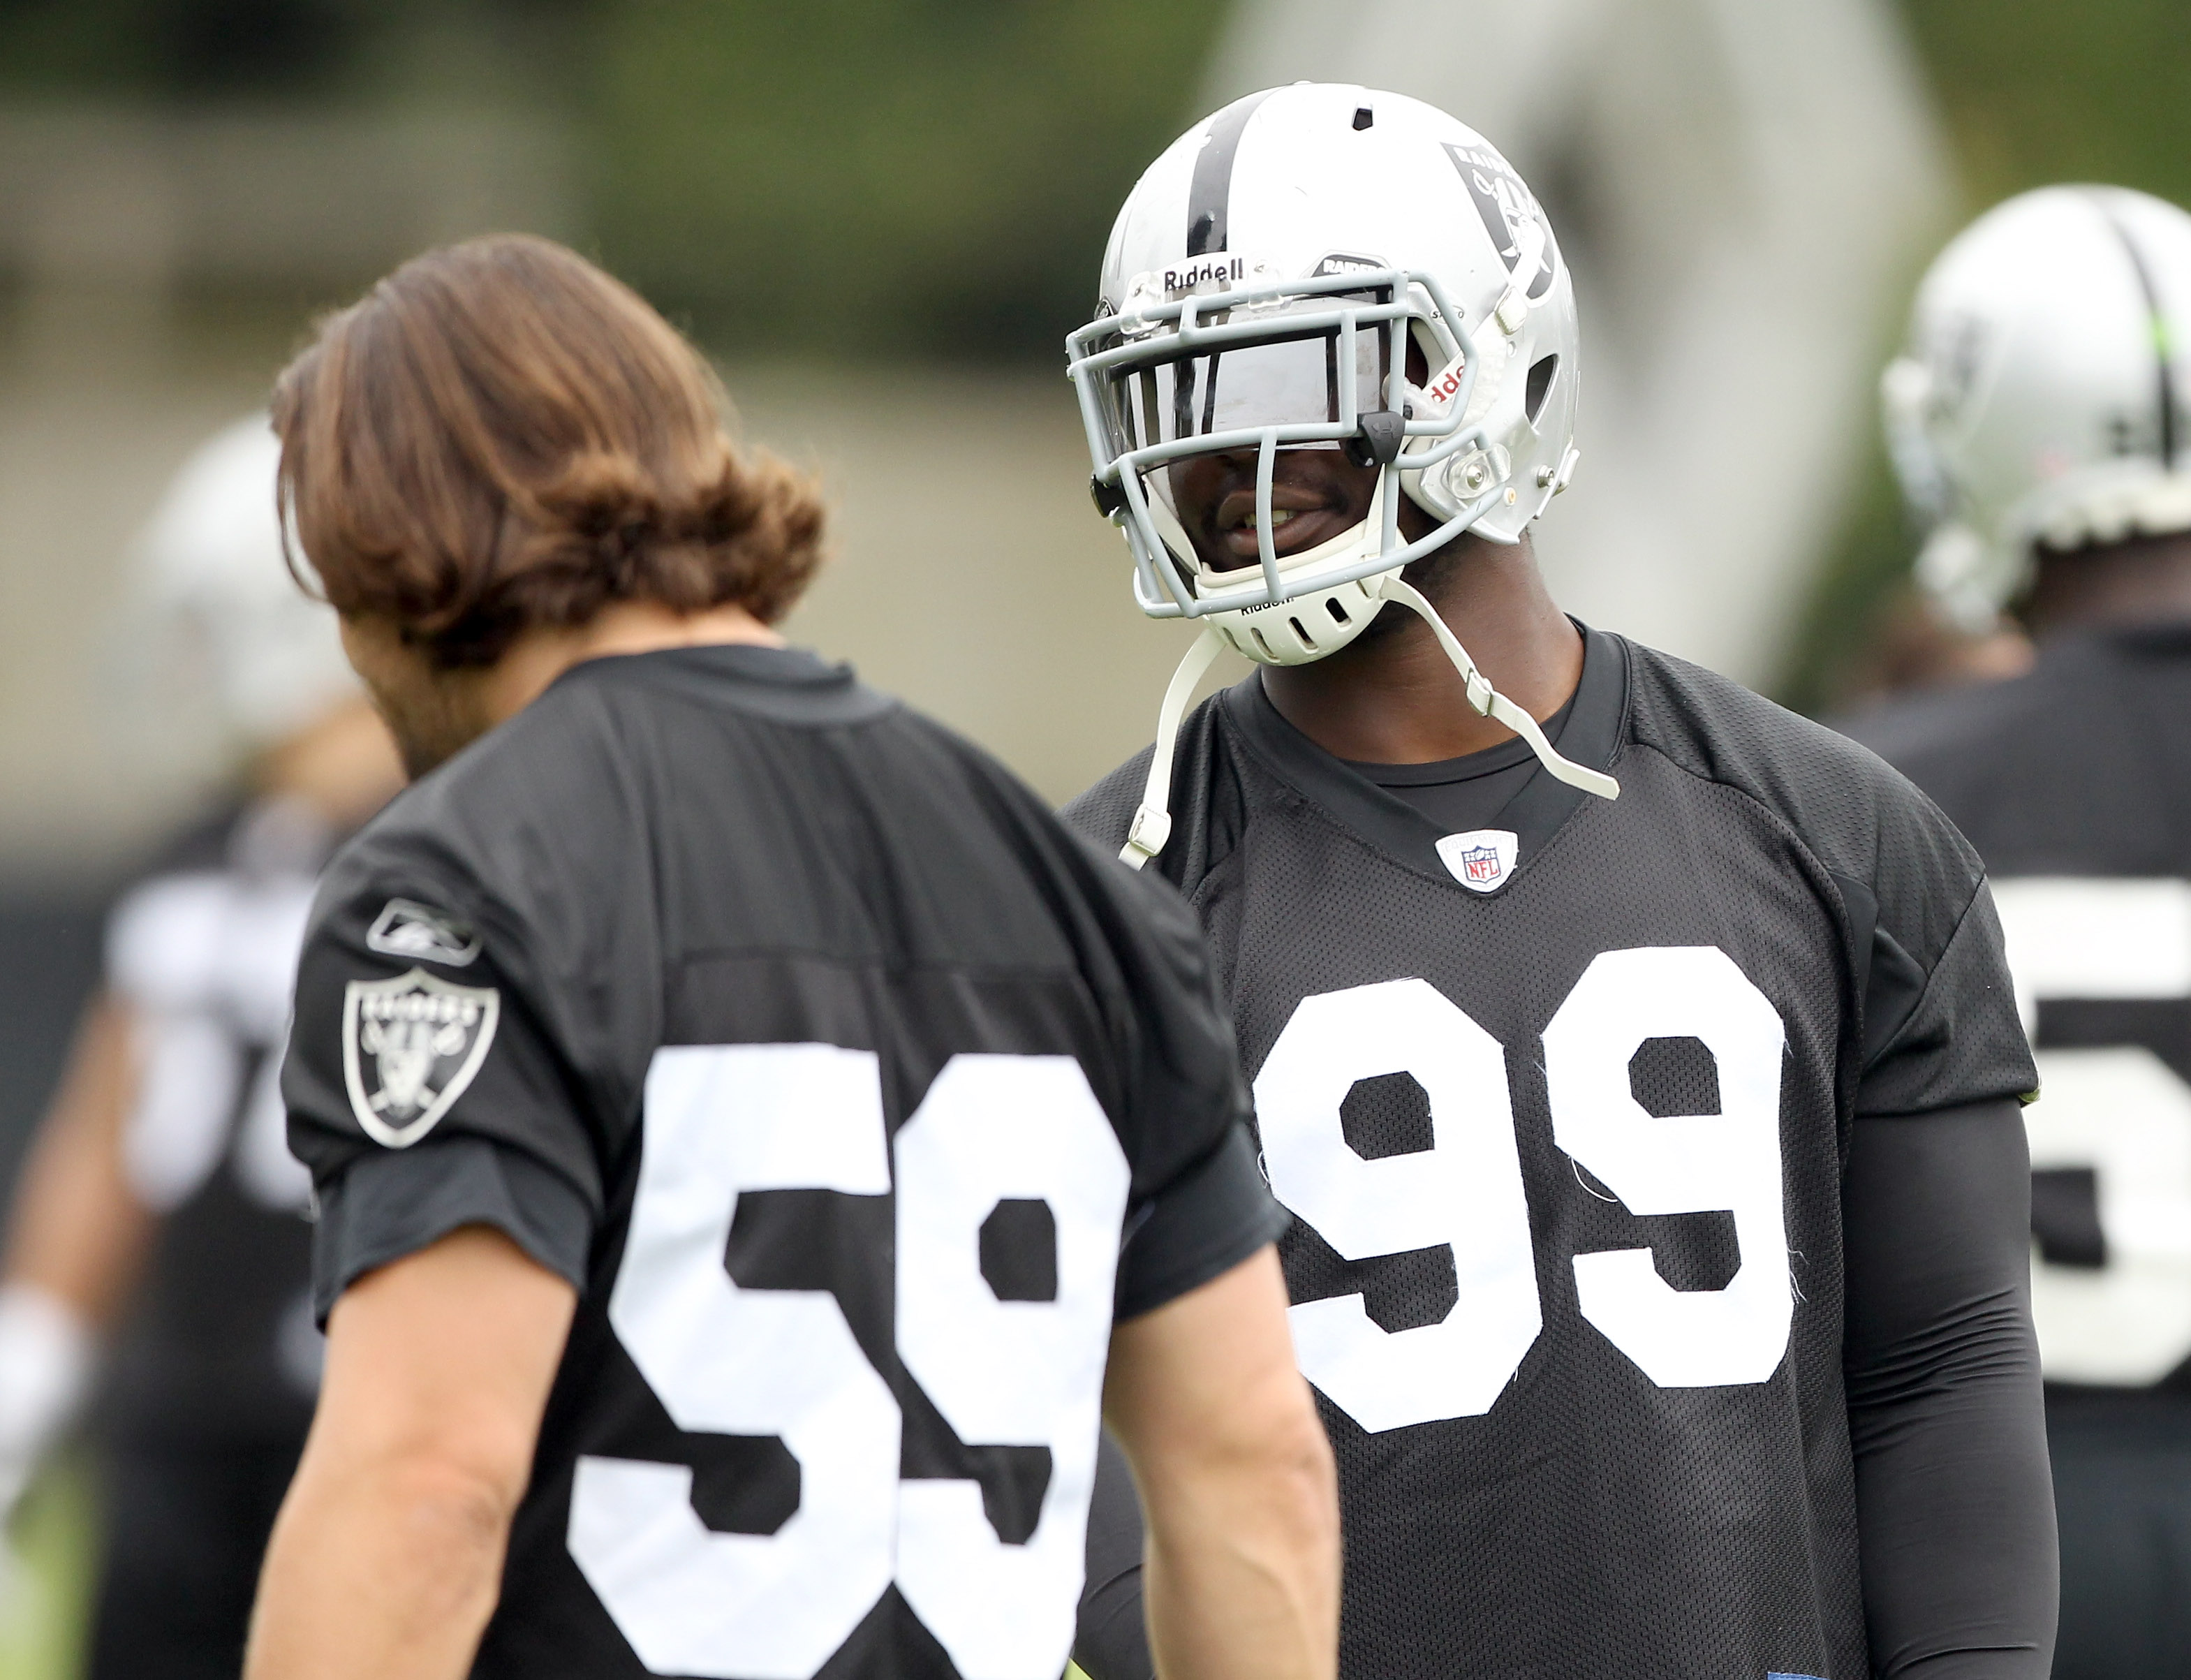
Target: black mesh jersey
pixel 836 1073
pixel 1562 1128
pixel 218 1345
pixel 2075 784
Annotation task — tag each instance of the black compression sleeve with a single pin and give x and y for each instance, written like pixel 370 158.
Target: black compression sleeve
pixel 1111 1640
pixel 1954 1507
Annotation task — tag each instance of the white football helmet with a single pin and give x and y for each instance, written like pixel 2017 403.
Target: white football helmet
pixel 2042 397
pixel 1262 290
pixel 231 634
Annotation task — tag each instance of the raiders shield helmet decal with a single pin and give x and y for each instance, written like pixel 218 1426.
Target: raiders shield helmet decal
pixel 410 1046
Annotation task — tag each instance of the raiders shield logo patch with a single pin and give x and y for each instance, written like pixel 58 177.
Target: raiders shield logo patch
pixel 410 1046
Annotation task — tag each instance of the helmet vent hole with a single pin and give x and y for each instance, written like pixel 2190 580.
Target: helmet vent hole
pixel 1262 644
pixel 1338 613
pixel 1307 639
pixel 1363 116
pixel 1540 385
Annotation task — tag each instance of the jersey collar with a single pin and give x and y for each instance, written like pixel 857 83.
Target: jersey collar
pixel 785 684
pixel 1595 718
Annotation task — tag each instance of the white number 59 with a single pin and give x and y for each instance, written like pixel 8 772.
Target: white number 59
pixel 724 1119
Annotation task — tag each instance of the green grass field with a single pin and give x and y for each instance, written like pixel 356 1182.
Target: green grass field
pixel 42 1617
pixel 42 1621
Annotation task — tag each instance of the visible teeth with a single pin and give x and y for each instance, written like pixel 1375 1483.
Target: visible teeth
pixel 1278 516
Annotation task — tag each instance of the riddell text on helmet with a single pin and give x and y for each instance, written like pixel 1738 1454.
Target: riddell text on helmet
pixel 1219 268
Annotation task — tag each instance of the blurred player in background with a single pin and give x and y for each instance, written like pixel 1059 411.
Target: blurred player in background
pixel 1644 1089
pixel 746 1122
pixel 158 1225
pixel 2041 420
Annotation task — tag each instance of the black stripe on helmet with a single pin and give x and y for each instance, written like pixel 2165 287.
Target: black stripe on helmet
pixel 1209 197
pixel 2161 347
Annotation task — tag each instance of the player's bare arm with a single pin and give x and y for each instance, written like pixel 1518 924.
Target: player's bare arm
pixel 1235 1476
pixel 75 1237
pixel 76 1231
pixel 388 1555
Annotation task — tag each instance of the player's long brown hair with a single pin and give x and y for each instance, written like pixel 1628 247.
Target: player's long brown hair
pixel 499 435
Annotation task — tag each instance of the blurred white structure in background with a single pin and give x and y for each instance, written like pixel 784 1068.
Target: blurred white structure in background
pixel 1743 191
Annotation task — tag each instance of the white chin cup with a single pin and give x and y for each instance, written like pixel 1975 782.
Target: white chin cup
pixel 1303 628
pixel 1311 621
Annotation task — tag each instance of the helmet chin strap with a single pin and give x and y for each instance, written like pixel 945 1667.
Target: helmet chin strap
pixel 1153 822
pixel 1152 825
pixel 1488 702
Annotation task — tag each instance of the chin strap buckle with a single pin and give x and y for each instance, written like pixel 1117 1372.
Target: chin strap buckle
pixel 1152 828
pixel 1512 310
pixel 1513 306
pixel 1153 822
pixel 1490 703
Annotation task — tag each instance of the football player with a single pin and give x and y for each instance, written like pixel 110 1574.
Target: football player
pixel 2046 441
pixel 1636 1060
pixel 160 1208
pixel 744 1120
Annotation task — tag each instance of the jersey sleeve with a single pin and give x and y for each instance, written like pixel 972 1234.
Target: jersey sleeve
pixel 1934 1009
pixel 1941 1028
pixel 426 1084
pixel 382 1207
pixel 1200 1204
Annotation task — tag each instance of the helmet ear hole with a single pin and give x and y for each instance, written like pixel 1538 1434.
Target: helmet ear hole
pixel 1542 372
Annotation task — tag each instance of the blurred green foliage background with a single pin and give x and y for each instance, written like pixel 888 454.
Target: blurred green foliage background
pixel 866 181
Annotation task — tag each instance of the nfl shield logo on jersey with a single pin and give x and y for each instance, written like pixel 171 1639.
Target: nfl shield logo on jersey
pixel 410 1046
pixel 1480 859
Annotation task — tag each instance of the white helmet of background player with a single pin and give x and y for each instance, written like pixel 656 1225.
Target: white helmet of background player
pixel 232 633
pixel 1262 287
pixel 2042 397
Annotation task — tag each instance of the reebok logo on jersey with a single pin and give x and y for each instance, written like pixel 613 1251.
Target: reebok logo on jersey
pixel 405 929
pixel 410 1047
pixel 1480 859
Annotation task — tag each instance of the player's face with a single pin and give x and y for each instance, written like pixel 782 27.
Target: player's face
pixel 1315 495
pixel 432 713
